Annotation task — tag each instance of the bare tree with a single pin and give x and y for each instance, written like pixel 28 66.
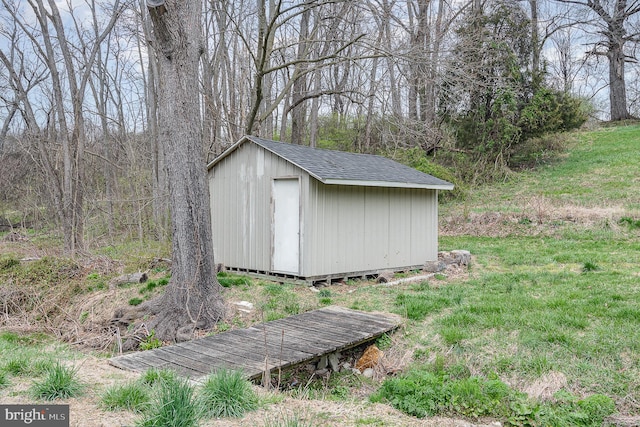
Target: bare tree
pixel 193 298
pixel 611 19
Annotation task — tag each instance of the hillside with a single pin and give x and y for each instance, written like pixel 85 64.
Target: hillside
pixel 542 329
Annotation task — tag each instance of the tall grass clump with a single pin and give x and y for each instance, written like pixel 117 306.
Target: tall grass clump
pixel 227 393
pixel 60 382
pixel 173 404
pixel 130 397
pixel 4 381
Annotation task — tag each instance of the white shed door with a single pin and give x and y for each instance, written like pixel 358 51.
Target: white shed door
pixel 286 225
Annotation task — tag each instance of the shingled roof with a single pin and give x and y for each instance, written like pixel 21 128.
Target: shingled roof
pixel 339 167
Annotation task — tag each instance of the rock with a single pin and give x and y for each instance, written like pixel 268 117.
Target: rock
pixel 244 306
pixel 323 363
pixel 368 372
pixel 334 361
pixel 370 358
pixel 384 276
pixel 346 367
pixel 434 266
pixel 321 372
pixel 461 257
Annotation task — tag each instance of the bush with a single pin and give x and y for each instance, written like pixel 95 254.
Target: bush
pixel 227 393
pixel 60 382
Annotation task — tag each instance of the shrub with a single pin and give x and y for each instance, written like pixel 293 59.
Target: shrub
pixel 60 382
pixel 227 393
pixel 131 397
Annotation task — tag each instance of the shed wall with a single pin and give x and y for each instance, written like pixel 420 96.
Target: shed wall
pixel 353 229
pixel 240 186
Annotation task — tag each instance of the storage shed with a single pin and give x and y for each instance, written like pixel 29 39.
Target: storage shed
pixel 295 212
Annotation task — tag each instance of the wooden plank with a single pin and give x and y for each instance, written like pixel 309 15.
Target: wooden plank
pixel 248 343
pixel 289 341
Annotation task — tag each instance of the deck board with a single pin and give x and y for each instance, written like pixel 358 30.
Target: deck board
pixel 277 344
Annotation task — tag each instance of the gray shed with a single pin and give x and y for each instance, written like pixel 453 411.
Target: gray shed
pixel 311 214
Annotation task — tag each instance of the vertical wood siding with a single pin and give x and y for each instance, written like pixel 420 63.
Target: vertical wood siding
pixel 344 229
pixel 240 186
pixel 353 229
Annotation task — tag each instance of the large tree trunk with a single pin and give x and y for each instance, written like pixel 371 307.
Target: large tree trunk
pixel 193 297
pixel 617 86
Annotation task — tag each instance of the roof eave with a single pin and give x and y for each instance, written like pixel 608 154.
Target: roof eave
pixel 387 184
pixel 225 153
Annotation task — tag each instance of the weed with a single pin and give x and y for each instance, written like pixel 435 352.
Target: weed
pixel 150 342
pixel 227 393
pixel 228 280
pixel 173 404
pixel 60 382
pixel 18 365
pixel 148 287
pixel 589 267
pixel 130 397
pixel 7 262
pixel 324 293
pixel 384 342
pixel 632 223
pixel 287 421
pixel 597 407
pixel 153 376
pixel 325 301
pixel 136 301
pixel 4 381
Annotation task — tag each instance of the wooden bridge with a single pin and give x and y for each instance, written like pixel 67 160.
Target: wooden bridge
pixel 267 346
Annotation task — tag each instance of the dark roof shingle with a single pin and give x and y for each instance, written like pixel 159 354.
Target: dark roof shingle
pixel 330 166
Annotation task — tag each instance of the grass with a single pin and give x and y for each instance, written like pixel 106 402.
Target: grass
pixel 548 294
pixel 227 393
pixel 132 397
pixel 60 382
pixel 173 404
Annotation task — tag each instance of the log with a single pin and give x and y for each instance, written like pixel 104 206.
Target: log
pixel 128 278
pixel 384 276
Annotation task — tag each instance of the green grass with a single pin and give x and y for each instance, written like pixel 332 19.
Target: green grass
pixel 227 393
pixel 132 397
pixel 173 404
pixel 279 301
pixel 546 295
pixel 598 170
pixel 451 390
pixel 228 280
pixel 4 380
pixel 60 382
